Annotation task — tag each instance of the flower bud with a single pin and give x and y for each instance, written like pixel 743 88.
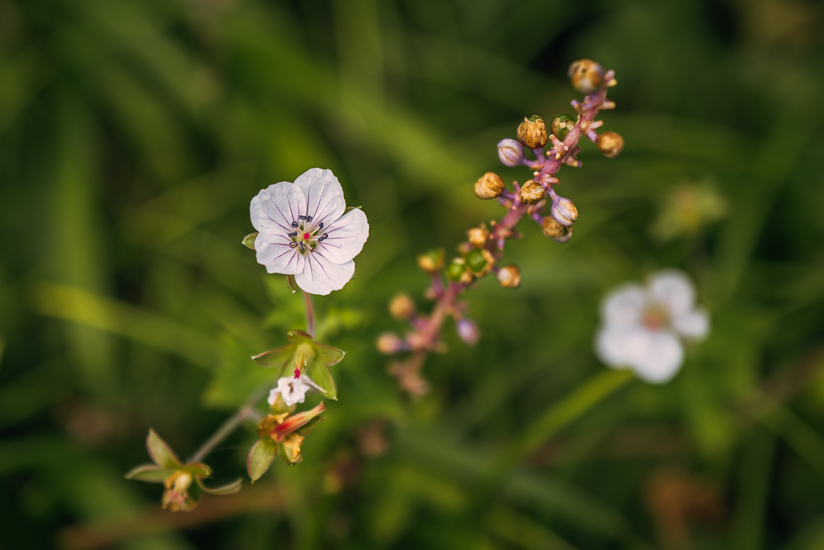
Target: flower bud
pixel 432 261
pixel 586 75
pixel 468 331
pixel 509 276
pixel 532 132
pixel 456 269
pixel 479 261
pixel 478 236
pixel 532 192
pixel 551 227
pixel 561 126
pixel 610 144
pixel 176 496
pixel 564 211
pixel 489 186
pixel 388 343
pixel 402 307
pixel 510 152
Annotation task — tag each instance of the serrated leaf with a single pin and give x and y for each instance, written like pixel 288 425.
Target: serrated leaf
pixel 260 458
pixel 227 489
pixel 322 377
pixel 329 355
pixel 249 240
pixel 161 453
pixel 150 473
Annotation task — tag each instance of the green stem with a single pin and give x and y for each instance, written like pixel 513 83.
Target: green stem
pixel 229 426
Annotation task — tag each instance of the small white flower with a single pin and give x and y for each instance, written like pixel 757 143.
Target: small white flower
pixel 303 231
pixel 292 390
pixel 642 328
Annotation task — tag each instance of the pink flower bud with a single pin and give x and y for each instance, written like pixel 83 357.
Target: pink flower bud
pixel 468 331
pixel 510 152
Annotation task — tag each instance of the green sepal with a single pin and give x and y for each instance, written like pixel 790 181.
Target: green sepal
pixel 276 357
pixel 285 457
pixel 249 240
pixel 309 426
pixel 322 377
pixel 292 284
pixel 198 470
pixel 260 458
pixel 329 355
pixel 150 473
pixel 227 489
pixel 161 453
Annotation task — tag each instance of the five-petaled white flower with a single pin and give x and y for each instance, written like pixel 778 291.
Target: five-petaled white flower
pixel 292 390
pixel 642 327
pixel 303 231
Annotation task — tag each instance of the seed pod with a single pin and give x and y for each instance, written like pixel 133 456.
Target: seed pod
pixel 478 236
pixel 551 228
pixel 561 126
pixel 509 276
pixel 610 144
pixel 586 75
pixel 532 132
pixel 510 152
pixel 489 186
pixel 532 192
pixel 402 307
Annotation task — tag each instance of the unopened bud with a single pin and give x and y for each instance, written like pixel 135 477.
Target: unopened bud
pixel 479 261
pixel 564 211
pixel 478 236
pixel 532 132
pixel 551 227
pixel 388 343
pixel 468 331
pixel 432 261
pixel 456 269
pixel 532 192
pixel 489 186
pixel 561 126
pixel 402 307
pixel 510 152
pixel 610 144
pixel 586 75
pixel 509 276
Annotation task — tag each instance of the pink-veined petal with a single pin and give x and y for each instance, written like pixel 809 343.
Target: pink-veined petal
pixel 673 289
pixel 659 357
pixel 693 325
pixel 624 306
pixel 275 208
pixel 324 195
pixel 346 237
pixel 321 276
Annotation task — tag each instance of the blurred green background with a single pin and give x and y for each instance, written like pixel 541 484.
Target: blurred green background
pixel 133 135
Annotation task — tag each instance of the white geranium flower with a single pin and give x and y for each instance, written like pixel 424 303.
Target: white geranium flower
pixel 303 231
pixel 642 328
pixel 292 390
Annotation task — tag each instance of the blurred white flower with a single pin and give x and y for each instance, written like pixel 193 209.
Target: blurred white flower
pixel 303 231
pixel 292 390
pixel 642 327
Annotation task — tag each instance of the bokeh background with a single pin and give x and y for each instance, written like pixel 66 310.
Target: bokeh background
pixel 133 135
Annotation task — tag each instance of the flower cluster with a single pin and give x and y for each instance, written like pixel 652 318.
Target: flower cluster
pixel 551 147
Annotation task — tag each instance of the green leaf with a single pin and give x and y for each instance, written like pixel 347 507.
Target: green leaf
pixel 329 355
pixel 150 473
pixel 161 453
pixel 249 240
pixel 320 375
pixel 260 458
pixel 228 489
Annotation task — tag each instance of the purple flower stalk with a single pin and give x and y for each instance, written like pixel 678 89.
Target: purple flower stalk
pixel 484 248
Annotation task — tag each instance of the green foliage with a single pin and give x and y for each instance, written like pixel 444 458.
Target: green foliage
pixel 133 135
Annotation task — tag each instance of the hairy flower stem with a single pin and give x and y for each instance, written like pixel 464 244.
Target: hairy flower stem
pixel 310 316
pixel 230 425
